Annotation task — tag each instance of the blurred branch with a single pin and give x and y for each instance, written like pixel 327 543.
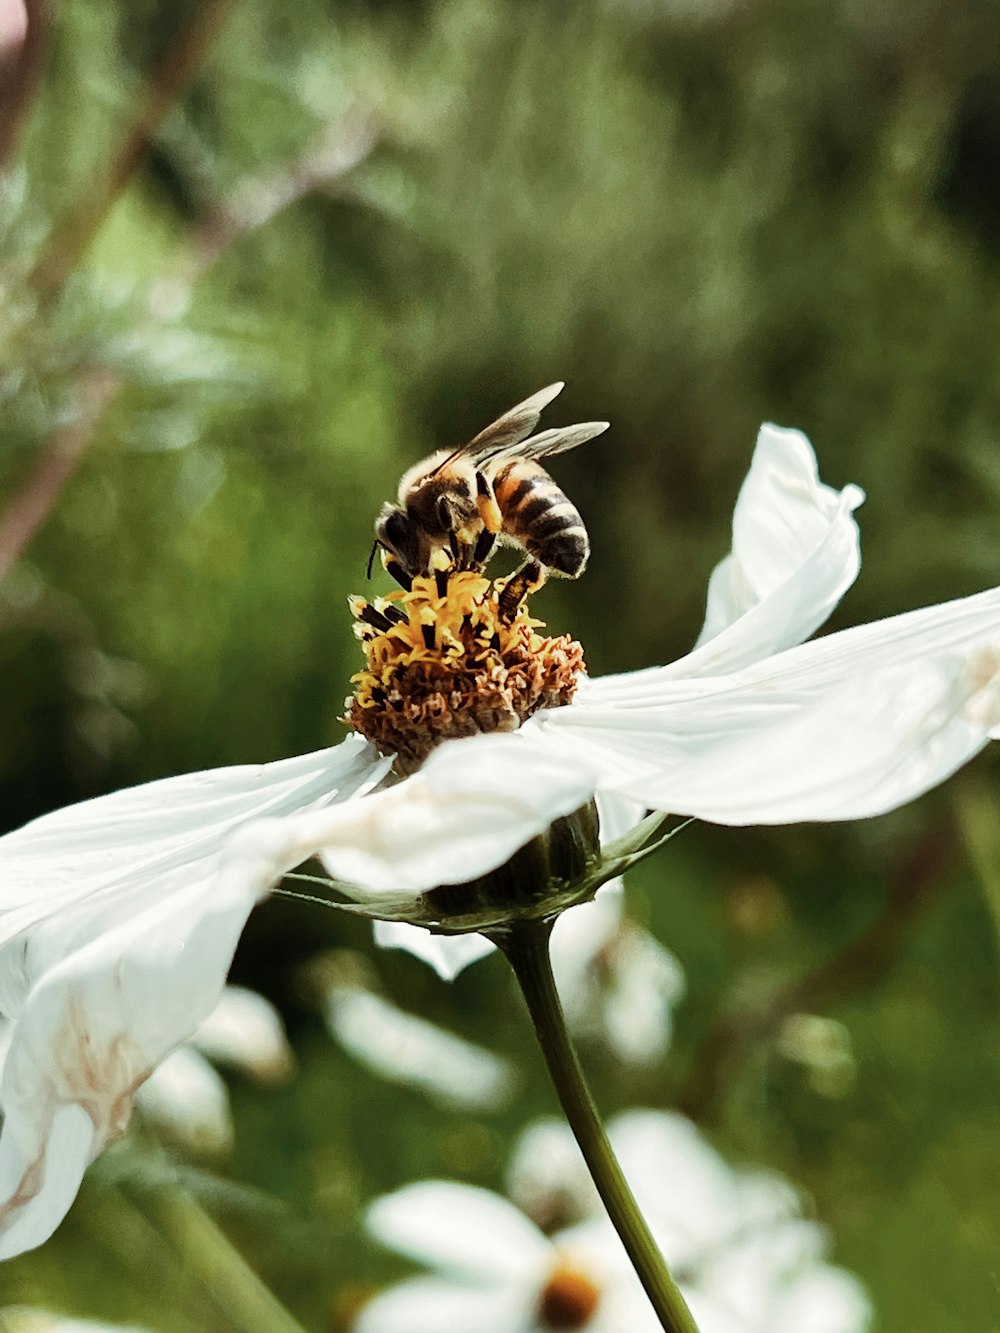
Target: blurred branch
pixel 255 203
pixel 31 505
pixel 20 73
pixel 178 65
pixel 865 960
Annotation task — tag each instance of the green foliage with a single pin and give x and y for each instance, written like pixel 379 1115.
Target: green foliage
pixel 699 217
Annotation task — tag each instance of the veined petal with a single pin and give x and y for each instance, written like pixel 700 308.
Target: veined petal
pixel 53 1176
pixel 152 839
pixel 474 803
pixel 878 740
pixel 795 553
pixel 91 1029
pixel 461 1230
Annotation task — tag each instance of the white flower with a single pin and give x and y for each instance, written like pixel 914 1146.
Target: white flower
pixel 119 916
pixel 745 1258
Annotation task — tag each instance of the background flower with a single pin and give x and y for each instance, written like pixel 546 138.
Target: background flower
pixel 737 1242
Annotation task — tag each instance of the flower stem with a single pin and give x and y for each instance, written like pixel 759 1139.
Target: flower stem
pixel 526 948
pixel 211 1258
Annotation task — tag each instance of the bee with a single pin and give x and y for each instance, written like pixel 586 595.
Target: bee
pixel 463 501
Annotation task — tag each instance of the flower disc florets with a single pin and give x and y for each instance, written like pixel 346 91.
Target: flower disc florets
pixel 450 657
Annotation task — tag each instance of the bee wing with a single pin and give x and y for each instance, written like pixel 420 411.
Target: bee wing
pixel 504 434
pixel 557 441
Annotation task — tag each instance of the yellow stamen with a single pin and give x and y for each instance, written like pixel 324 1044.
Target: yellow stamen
pixel 453 665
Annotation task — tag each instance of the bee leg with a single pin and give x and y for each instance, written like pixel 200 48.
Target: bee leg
pixel 395 570
pixel 528 579
pixel 483 548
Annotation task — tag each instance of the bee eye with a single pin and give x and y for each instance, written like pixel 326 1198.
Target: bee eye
pixel 444 513
pixel 393 531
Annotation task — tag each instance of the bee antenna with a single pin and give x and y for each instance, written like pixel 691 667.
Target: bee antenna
pixel 371 559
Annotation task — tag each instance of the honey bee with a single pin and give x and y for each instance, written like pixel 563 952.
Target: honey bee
pixel 462 501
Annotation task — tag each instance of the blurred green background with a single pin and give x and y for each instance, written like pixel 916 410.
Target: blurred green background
pixel 256 259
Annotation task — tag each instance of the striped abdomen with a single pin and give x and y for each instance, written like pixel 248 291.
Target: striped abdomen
pixel 537 514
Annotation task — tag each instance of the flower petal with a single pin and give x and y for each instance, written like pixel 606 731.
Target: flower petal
pixel 795 553
pixel 158 836
pixel 410 1050
pixel 430 1305
pixel 474 803
pixel 35 1192
pixel 246 1032
pixel 874 743
pixel 91 1029
pixel 188 1101
pixel 446 954
pixel 463 1231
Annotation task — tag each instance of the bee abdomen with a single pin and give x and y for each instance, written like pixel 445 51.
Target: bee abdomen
pixel 537 514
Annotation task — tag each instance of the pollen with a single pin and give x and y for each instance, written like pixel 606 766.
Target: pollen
pixel 569 1300
pixel 449 658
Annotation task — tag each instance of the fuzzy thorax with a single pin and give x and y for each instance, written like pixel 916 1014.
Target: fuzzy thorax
pixel 449 658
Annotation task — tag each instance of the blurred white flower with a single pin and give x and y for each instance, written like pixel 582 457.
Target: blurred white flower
pixel 186 1099
pixel 406 1049
pixel 744 1257
pixel 496 1272
pixel 119 916
pixel 617 983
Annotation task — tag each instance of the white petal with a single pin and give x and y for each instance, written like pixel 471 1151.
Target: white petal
pixel 409 1050
pixel 823 1299
pixel 35 1192
pixel 868 746
pixel 685 1188
pixel 473 804
pixel 188 1101
pixel 795 553
pixel 446 954
pixel 451 954
pixel 146 841
pixel 92 1028
pixel 463 1231
pixel 429 1305
pixel 548 1178
pixel 246 1032
pixel 810 668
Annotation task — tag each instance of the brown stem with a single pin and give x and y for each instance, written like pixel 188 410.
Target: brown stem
pixel 178 65
pixel 20 74
pixel 860 963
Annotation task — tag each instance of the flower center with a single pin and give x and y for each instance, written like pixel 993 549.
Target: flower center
pixel 569 1300
pixel 453 655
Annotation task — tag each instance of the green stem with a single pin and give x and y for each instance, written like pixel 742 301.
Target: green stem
pixel 236 1290
pixel 526 948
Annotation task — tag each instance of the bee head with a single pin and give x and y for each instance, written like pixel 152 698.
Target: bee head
pixel 397 533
